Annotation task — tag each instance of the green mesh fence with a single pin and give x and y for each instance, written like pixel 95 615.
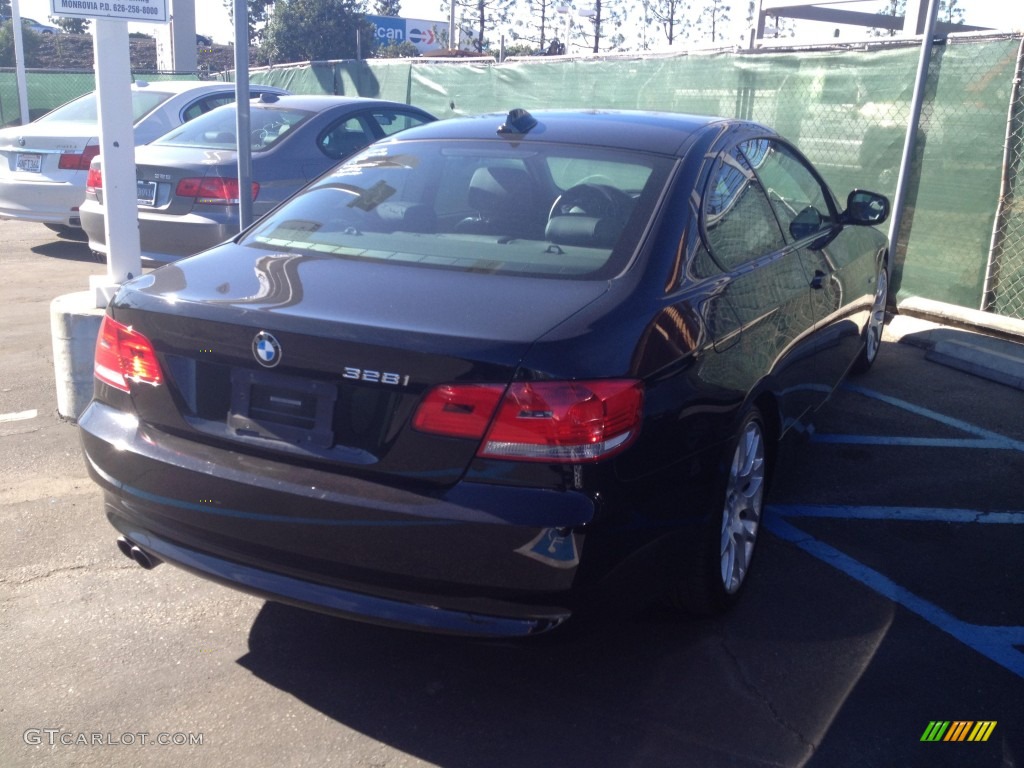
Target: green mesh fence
pixel 847 107
pixel 46 90
pixel 49 88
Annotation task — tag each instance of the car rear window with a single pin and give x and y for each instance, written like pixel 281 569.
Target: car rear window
pixel 540 209
pixel 84 108
pixel 217 128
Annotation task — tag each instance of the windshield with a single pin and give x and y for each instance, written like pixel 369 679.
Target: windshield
pixel 84 109
pixel 216 129
pixel 551 210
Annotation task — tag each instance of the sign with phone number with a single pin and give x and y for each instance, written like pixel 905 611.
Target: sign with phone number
pixel 148 11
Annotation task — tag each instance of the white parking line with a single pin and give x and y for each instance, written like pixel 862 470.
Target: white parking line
pixel 19 416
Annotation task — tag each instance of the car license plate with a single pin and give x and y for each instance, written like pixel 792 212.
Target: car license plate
pixel 147 192
pixel 30 163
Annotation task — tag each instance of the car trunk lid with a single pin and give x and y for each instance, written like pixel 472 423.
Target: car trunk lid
pixel 47 151
pixel 327 360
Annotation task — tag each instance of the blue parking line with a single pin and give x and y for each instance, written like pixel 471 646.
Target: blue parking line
pixel 995 643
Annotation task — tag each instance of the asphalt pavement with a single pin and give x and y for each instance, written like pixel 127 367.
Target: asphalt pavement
pixel 885 609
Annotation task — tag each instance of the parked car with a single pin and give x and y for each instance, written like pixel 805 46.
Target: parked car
pixel 488 367
pixel 38 27
pixel 188 179
pixel 43 165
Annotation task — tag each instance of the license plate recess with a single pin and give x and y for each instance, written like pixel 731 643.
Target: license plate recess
pixel 278 407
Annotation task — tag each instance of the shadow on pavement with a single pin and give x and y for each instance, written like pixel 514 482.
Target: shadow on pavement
pixel 69 249
pixel 649 690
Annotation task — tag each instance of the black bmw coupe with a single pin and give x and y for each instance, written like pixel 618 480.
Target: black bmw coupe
pixel 489 367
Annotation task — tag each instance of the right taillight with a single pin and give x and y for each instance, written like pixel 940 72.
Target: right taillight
pixel 78 161
pixel 548 421
pixel 122 355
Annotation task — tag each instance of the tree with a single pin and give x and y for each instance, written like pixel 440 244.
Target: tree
pixel 72 26
pixel 488 14
pixel 668 15
pixel 714 20
pixel 29 43
pixel 541 24
pixel 259 12
pixel 605 24
pixel 315 30
pixel 387 8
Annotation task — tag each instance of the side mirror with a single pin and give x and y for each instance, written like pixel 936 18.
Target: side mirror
pixel 865 208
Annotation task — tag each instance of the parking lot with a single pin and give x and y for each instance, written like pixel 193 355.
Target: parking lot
pixel 887 598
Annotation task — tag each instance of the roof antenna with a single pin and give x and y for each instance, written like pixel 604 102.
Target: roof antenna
pixel 518 121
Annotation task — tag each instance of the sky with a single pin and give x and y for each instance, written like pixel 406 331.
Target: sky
pixel 214 21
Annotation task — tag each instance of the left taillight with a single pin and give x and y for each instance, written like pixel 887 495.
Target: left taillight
pixel 213 190
pixel 548 421
pixel 122 355
pixel 94 180
pixel 78 161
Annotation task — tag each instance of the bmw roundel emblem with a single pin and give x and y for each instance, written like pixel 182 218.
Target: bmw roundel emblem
pixel 266 350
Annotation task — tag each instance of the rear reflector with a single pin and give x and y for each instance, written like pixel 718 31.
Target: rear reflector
pixel 213 190
pixel 549 421
pixel 124 355
pixel 78 161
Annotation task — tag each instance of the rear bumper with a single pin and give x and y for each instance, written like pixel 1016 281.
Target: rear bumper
pixel 41 200
pixel 162 238
pixel 474 559
pixel 406 614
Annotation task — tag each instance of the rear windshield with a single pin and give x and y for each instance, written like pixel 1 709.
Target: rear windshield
pixel 216 129
pixel 84 109
pixel 551 210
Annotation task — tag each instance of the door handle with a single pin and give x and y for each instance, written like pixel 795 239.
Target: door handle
pixel 819 279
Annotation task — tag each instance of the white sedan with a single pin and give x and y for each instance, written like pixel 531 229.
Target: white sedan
pixel 44 165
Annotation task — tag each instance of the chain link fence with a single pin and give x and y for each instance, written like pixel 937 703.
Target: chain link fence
pixel 1004 289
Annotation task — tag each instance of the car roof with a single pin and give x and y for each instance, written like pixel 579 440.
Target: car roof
pixel 181 86
pixel 315 103
pixel 661 132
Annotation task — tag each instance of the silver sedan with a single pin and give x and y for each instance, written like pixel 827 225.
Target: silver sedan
pixel 188 192
pixel 43 165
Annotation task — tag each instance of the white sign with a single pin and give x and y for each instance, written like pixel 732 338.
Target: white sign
pixel 147 11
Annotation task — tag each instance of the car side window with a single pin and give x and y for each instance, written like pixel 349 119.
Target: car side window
pixel 345 138
pixel 800 201
pixel 392 121
pixel 205 104
pixel 738 218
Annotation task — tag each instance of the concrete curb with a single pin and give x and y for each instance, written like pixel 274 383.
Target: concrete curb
pixel 979 343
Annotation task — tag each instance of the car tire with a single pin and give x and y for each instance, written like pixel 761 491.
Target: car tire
pixel 718 571
pixel 872 340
